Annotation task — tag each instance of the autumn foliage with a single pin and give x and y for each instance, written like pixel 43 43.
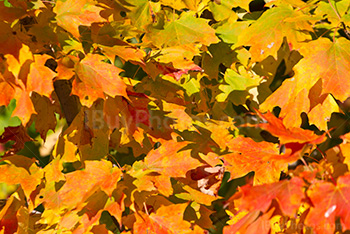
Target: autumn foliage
pixel 175 116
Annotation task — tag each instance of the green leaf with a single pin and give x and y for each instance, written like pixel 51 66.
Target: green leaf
pixel 186 30
pixel 236 82
pixel 141 12
pixel 229 32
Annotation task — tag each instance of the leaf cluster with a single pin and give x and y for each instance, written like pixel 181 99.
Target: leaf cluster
pixel 174 116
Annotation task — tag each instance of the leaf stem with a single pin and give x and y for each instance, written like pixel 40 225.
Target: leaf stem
pixel 145 207
pixel 324 33
pixel 335 10
pixel 136 73
pixel 341 22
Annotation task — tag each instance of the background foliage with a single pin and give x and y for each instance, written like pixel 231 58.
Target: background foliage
pixel 171 116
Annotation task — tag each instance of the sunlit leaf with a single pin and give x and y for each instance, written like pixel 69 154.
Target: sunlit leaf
pixel 261 157
pixel 186 30
pixel 96 79
pixel 167 219
pixel 265 36
pixel 169 159
pixel 330 202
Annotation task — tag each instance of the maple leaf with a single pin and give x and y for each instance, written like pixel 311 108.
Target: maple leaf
pixel 82 184
pixel 148 180
pixel 261 157
pixel 288 135
pixel 322 79
pixel 40 77
pixel 17 134
pixel 72 14
pixel 45 118
pixel 326 9
pixel 9 43
pixel 16 174
pixel 96 79
pixel 183 121
pixel 167 219
pixel 24 106
pixel 140 12
pixel 288 194
pixel 266 38
pixel 337 59
pixel 238 83
pixel 169 159
pixel 20 67
pixel 187 30
pixel 331 201
pixel 131 115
